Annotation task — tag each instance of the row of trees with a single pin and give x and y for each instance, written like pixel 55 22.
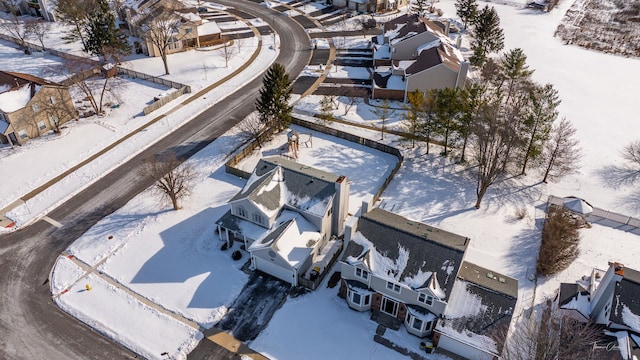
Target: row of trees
pixel 511 121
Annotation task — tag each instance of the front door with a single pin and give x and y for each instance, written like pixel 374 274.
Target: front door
pixel 389 306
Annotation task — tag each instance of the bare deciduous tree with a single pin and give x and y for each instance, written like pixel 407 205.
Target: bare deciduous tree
pixel 74 13
pixel 58 110
pixel 226 51
pixel 551 337
pixel 85 74
pixel 631 153
pixel 251 128
pixel 353 96
pixel 562 151
pixel 14 26
pixel 173 180
pixel 384 112
pixel 162 31
pixel 38 29
pixel 490 150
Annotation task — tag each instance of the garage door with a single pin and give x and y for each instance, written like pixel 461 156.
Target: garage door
pixel 272 269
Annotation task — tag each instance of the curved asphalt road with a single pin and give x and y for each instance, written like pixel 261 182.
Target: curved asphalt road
pixel 31 326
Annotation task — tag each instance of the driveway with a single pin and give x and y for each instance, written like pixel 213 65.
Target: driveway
pixel 254 307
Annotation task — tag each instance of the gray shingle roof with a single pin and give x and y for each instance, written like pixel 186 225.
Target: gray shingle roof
pixel 307 185
pixel 498 302
pixel 430 249
pixel 627 294
pixel 488 279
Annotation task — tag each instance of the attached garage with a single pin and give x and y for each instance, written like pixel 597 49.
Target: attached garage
pixel 460 348
pixel 275 268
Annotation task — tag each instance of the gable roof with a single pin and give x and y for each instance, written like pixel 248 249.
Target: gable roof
pixel 480 308
pixel 276 182
pixel 13 80
pixel 405 251
pixel 294 239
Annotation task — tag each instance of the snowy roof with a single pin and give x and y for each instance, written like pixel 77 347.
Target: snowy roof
pixel 276 182
pixel 11 101
pixel 293 239
pixel 480 309
pixel 208 28
pixel 574 297
pixel 625 308
pixel 405 251
pixel 386 80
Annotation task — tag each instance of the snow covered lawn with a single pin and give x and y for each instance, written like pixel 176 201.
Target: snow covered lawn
pixel 128 321
pixel 173 258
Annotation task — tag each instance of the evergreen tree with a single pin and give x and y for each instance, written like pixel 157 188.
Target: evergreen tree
pixel 447 106
pixel 412 115
pixel 102 33
pixel 542 112
pixel 466 10
pixel 470 103
pixel 419 7
pixel 488 37
pixel 273 101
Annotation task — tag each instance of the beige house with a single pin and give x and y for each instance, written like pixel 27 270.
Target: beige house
pixel 31 106
pixel 415 53
pixel 190 31
pixel 370 6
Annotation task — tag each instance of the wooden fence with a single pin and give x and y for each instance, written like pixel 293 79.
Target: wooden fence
pixel 231 165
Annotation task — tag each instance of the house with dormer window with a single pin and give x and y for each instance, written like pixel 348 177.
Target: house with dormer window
pixel 285 216
pixel 414 53
pixel 400 270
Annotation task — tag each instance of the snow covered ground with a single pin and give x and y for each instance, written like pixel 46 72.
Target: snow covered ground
pixel 597 90
pixel 172 258
pixel 43 158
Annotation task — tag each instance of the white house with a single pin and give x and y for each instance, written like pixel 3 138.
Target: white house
pixel 285 216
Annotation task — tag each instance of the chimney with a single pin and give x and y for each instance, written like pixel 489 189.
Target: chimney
pixel 462 75
pixel 32 88
pixel 458 42
pixel 447 27
pixel 618 269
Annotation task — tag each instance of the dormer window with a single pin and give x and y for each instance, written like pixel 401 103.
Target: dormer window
pixel 393 287
pixel 240 211
pixel 425 299
pixel 363 274
pixel 257 218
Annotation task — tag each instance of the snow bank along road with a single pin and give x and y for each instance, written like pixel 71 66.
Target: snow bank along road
pixel 31 326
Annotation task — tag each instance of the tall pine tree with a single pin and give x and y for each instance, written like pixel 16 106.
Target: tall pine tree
pixel 273 101
pixel 542 112
pixel 488 36
pixel 466 10
pixel 103 37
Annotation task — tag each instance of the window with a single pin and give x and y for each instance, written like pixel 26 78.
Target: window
pixel 356 298
pixel 425 299
pixel 240 211
pixel 41 125
pixel 53 120
pixel 363 274
pixel 22 134
pixel 257 218
pixel 35 107
pixel 359 299
pixel 188 30
pixel 416 324
pixel 393 287
pixel 52 100
pixel 389 306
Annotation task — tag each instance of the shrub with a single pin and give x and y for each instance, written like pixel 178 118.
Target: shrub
pixel 560 239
